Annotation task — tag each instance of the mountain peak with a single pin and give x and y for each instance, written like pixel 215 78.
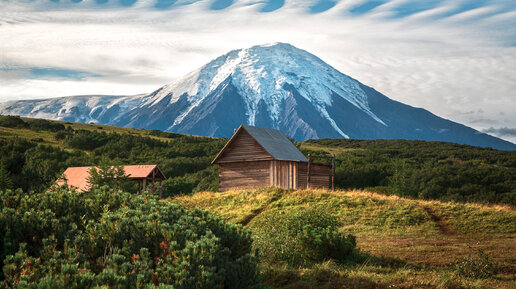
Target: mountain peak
pixel 260 74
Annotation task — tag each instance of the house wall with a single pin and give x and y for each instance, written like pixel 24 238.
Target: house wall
pixel 243 147
pixel 262 174
pixel 284 174
pixel 320 176
pixel 244 175
pixel 301 175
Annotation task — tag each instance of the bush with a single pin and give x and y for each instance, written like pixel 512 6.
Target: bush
pixel 477 265
pixel 300 237
pixel 43 124
pixel 64 239
pixel 12 121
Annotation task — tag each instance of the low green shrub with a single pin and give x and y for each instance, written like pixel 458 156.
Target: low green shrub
pixel 64 239
pixel 300 237
pixel 12 121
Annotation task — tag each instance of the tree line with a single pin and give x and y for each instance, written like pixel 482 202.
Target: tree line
pixel 424 170
pixel 417 169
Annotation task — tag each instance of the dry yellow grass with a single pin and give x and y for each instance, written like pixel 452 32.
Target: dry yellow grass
pixel 408 248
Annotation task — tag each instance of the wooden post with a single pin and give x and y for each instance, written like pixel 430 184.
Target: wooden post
pixel 309 172
pixel 333 173
pixel 144 184
pixel 160 189
pixel 139 186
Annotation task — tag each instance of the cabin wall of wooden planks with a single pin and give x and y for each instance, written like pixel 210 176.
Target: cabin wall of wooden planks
pixel 284 174
pixel 244 175
pixel 320 176
pixel 302 172
pixel 244 147
pixel 262 174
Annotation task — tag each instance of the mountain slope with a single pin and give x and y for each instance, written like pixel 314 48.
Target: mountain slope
pixel 275 85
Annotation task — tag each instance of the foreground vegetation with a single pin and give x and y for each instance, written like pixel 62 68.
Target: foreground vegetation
pixel 268 238
pixel 402 243
pixel 106 239
pixel 33 153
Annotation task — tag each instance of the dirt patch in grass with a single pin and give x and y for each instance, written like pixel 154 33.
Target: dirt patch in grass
pixel 441 225
pixel 441 251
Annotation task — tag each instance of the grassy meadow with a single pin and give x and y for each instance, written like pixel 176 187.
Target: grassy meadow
pixel 403 243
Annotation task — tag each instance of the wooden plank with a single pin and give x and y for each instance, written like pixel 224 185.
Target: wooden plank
pixel 244 147
pixel 244 175
pixel 294 173
pixel 271 167
pixel 301 175
pixel 320 176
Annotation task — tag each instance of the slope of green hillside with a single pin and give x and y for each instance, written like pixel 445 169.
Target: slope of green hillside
pixel 404 243
pixel 34 152
pixel 420 169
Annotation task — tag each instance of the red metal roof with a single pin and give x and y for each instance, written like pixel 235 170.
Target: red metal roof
pixel 77 177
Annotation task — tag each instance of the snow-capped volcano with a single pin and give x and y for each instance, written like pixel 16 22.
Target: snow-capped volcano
pixel 259 74
pixel 275 85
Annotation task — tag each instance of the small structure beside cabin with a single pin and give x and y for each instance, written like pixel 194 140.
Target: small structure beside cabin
pixel 258 157
pixel 147 177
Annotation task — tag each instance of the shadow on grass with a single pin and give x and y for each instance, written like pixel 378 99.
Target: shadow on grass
pixel 351 273
pixel 358 258
pixel 324 276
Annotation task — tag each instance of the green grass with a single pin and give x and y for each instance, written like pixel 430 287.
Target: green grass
pixel 401 244
pixel 47 137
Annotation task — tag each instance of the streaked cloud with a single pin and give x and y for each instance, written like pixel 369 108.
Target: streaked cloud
pixel 502 132
pixel 448 56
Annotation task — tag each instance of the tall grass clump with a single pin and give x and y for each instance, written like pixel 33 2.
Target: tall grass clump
pixel 300 237
pixel 476 265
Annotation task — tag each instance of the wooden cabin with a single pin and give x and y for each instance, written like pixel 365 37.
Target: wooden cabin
pixel 257 157
pixel 147 176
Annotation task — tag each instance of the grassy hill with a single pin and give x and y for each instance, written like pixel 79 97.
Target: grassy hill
pixel 34 152
pixel 422 170
pixel 403 243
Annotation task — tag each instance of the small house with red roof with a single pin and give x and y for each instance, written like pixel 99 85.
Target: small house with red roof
pixel 148 177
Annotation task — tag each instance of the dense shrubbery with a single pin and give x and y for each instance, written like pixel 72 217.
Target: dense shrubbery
pixel 35 167
pixel 185 160
pixel 425 170
pixel 63 239
pixel 300 237
pixel 418 169
pixel 34 124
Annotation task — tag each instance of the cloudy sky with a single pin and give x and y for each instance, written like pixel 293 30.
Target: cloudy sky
pixel 456 58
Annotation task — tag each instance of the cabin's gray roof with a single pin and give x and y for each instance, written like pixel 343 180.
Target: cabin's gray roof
pixel 275 143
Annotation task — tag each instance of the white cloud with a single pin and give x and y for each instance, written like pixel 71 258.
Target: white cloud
pixel 448 64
